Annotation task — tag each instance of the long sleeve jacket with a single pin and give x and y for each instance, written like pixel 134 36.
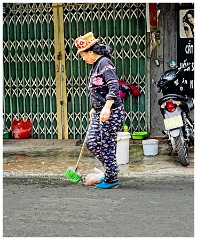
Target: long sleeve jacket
pixel 103 84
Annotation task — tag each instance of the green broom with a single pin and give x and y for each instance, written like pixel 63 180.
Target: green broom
pixel 71 172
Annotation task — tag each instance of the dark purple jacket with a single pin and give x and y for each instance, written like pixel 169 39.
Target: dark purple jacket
pixel 103 84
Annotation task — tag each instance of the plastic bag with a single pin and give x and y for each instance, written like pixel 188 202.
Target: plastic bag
pixel 93 178
pixel 21 128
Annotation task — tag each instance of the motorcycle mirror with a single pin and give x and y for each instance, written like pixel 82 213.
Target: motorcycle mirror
pixel 172 64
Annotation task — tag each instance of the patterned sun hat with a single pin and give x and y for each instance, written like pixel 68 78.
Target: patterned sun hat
pixel 84 42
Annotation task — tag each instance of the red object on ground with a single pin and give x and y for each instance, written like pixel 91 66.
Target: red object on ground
pixel 21 128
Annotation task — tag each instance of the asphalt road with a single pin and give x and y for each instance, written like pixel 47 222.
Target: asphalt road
pixel 140 207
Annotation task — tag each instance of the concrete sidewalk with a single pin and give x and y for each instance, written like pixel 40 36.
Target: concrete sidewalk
pixel 51 158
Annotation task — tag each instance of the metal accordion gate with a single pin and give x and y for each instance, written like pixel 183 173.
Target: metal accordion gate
pixel 29 67
pixel 46 81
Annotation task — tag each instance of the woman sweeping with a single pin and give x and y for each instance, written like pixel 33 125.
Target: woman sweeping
pixel 107 113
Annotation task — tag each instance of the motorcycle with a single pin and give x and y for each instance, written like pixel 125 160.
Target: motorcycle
pixel 175 106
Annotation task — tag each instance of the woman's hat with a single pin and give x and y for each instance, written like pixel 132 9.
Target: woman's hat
pixel 84 42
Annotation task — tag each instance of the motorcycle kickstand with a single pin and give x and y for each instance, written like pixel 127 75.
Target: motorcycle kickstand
pixel 165 135
pixel 170 148
pixel 169 154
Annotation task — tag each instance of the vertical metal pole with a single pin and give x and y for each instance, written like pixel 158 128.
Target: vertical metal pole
pixel 60 71
pixel 130 68
pixel 10 74
pixel 80 101
pixel 72 71
pixel 87 83
pixel 57 67
pixel 43 74
pixel 16 64
pixel 99 20
pixel 122 37
pixel 50 77
pixel 22 57
pixel 138 56
pixel 114 17
pixel 62 115
pixel 30 69
pixel 63 73
pixel 148 82
pixel 107 23
pixel 36 70
pixel 86 65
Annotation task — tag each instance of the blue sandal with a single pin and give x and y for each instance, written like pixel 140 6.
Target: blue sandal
pixel 103 178
pixel 104 185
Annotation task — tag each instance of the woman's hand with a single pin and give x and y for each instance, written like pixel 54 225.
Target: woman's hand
pixel 105 114
pixel 91 113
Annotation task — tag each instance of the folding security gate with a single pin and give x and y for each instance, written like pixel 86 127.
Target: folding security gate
pixel 29 67
pixel 46 81
pixel 122 26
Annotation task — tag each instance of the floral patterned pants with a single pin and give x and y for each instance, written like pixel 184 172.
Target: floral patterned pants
pixel 101 141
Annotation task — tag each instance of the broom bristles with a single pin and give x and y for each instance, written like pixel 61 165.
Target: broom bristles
pixel 72 176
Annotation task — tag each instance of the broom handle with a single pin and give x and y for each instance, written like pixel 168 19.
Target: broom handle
pixel 80 155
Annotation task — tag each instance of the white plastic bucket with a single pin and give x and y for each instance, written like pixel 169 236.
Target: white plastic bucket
pixel 150 147
pixel 122 151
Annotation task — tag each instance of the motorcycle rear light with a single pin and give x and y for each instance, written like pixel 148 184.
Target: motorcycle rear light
pixel 170 106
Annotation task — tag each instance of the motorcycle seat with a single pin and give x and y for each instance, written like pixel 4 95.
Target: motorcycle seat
pixel 171 96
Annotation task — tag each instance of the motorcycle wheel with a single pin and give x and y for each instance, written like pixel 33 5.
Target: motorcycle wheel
pixel 182 149
pixel 191 142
